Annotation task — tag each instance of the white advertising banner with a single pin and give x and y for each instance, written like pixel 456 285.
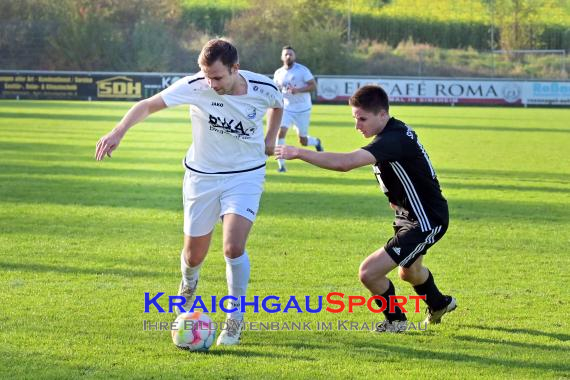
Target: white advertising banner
pixel 449 91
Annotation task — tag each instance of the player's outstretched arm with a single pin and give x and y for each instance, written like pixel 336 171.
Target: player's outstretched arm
pixel 273 123
pixel 341 162
pixel 140 111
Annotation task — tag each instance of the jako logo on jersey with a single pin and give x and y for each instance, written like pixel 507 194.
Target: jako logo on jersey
pixel 250 211
pixel 227 126
pixel 217 104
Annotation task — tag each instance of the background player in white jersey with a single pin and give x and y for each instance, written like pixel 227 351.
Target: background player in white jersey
pixel 225 165
pixel 296 82
pixel 406 176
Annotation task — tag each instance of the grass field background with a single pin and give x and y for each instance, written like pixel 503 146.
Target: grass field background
pixel 81 241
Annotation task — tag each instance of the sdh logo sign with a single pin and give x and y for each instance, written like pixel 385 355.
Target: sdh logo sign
pixel 119 87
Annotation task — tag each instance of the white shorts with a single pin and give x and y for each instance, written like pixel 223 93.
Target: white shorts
pixel 300 120
pixel 208 197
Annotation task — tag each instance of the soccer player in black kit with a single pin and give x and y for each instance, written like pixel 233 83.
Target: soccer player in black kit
pixel 406 176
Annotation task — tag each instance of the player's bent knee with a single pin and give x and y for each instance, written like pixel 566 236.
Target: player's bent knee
pixel 233 250
pixel 193 259
pixel 404 274
pixel 409 274
pixel 366 276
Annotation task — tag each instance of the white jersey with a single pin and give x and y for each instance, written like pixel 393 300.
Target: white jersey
pixel 297 76
pixel 227 130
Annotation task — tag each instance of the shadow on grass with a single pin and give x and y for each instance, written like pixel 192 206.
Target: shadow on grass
pixel 381 347
pixel 71 191
pixel 39 148
pixel 475 115
pixel 317 123
pixel 37 364
pixel 529 346
pixel 456 357
pixel 509 175
pixel 489 128
pixel 66 134
pixel 66 105
pixel 96 171
pixel 511 188
pixel 419 126
pixel 558 336
pixel 361 343
pixel 319 347
pixel 36 268
pixel 84 117
pixel 77 151
pixel 447 176
pixel 242 351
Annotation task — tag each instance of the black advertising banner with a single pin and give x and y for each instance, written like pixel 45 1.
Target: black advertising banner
pixel 330 89
pixel 82 86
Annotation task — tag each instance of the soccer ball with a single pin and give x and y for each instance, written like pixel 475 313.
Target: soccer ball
pixel 193 331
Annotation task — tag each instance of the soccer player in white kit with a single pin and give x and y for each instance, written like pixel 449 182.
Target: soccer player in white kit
pixel 296 83
pixel 225 165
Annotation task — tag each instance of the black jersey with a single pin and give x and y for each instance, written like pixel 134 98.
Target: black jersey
pixel 405 174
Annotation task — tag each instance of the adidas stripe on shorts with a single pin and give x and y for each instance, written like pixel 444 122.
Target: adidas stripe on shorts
pixel 410 242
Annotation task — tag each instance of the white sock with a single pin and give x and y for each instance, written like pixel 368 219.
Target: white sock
pixel 280 161
pixel 189 274
pixel 312 141
pixel 237 276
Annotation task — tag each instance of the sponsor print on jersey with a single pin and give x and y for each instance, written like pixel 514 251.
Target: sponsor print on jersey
pixel 231 127
pixel 410 134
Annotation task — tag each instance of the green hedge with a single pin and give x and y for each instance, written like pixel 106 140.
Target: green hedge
pixel 556 37
pixel 393 30
pixel 449 35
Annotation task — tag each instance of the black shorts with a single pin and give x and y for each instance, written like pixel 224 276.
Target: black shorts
pixel 409 241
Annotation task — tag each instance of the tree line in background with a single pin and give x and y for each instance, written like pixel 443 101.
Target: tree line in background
pixel 166 36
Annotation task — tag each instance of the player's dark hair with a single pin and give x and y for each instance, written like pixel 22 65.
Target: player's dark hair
pixel 218 49
pixel 288 47
pixel 370 98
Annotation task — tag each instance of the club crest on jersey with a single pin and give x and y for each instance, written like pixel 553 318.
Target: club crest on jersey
pixel 251 113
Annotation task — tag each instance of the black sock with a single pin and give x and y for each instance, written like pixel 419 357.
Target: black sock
pixel 434 299
pixel 397 315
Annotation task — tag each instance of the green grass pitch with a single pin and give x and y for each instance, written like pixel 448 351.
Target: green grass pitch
pixel 81 241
